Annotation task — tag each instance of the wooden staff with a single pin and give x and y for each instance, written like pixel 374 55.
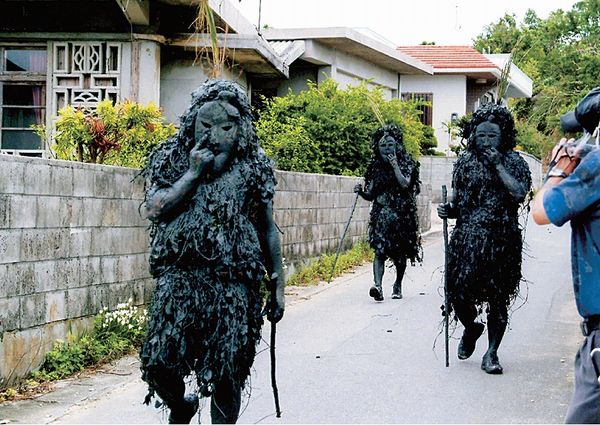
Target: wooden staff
pixel 339 249
pixel 446 306
pixel 273 379
pixel 273 302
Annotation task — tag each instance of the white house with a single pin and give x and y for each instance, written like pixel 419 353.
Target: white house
pixel 78 52
pixel 462 80
pixel 455 79
pixel 150 51
pixel 346 55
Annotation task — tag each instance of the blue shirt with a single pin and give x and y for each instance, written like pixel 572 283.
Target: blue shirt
pixel 577 198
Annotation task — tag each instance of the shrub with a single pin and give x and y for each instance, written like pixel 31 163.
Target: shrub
pixel 122 134
pixel 289 143
pixel 429 141
pixel 328 130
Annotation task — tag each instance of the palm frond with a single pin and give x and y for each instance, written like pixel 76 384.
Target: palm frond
pixel 375 108
pixel 503 81
pixel 205 26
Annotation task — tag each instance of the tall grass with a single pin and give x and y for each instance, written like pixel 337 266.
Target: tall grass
pixel 318 270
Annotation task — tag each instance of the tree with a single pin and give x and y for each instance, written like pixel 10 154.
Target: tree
pixel 561 54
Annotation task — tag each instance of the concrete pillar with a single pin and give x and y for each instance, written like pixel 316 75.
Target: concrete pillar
pixel 325 72
pixel 145 72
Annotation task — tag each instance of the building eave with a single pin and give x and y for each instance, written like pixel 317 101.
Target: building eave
pixel 489 73
pixel 289 51
pixel 251 52
pixel 137 12
pixel 235 21
pixel 53 36
pixel 521 85
pixel 353 42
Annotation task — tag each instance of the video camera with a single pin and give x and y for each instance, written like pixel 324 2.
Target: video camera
pixel 582 146
pixel 585 117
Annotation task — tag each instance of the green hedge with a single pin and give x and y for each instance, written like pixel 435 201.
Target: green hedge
pixel 328 130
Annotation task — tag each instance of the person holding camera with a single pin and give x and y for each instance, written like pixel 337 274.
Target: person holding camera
pixel 571 192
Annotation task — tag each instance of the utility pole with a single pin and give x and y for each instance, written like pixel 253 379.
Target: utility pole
pixel 259 13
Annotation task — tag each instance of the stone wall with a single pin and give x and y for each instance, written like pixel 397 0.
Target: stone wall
pixel 437 171
pixel 72 241
pixel 312 211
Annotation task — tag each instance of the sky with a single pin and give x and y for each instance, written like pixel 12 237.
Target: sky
pixel 401 22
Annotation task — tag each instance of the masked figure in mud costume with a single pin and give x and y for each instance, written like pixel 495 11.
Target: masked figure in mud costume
pixel 210 199
pixel 490 180
pixel 392 183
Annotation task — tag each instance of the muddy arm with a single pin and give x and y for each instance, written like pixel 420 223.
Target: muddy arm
pixel 367 194
pixel 271 248
pixel 161 202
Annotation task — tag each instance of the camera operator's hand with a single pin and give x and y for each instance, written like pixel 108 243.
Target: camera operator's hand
pixel 564 158
pixel 560 150
pixel 568 164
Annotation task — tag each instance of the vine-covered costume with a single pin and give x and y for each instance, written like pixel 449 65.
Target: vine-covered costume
pixel 484 262
pixel 207 262
pixel 490 180
pixel 393 222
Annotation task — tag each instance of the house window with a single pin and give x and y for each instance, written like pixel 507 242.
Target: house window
pixel 425 105
pixel 22 99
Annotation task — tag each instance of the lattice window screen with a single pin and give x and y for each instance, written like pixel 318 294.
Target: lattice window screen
pixel 84 73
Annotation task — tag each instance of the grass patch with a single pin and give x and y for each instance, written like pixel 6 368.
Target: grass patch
pixel 115 333
pixel 319 269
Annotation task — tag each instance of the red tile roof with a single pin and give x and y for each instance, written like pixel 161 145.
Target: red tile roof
pixel 448 56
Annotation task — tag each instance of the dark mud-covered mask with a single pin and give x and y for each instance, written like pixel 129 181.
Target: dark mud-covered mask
pixel 217 127
pixel 488 136
pixel 387 147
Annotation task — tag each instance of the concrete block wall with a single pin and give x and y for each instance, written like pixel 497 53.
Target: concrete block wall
pixel 312 211
pixel 535 166
pixel 437 171
pixel 71 242
pixel 424 207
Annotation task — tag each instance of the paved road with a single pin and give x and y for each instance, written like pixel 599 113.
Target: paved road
pixel 343 358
